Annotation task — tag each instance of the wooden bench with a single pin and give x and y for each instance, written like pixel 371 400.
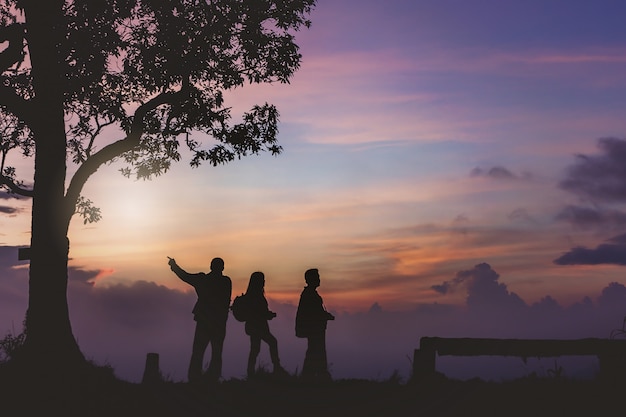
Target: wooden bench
pixel 611 352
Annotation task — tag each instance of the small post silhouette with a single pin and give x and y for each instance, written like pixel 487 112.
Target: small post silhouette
pixel 151 373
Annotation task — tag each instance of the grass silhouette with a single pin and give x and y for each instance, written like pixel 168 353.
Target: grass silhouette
pixel 97 392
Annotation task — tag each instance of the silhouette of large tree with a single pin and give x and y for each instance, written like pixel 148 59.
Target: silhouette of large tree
pixel 154 70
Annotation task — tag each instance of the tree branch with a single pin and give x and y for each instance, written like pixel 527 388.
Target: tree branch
pixel 15 104
pixel 14 53
pixel 115 149
pixel 15 188
pixel 92 136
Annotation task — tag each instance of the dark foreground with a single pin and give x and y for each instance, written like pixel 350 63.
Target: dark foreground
pixel 100 394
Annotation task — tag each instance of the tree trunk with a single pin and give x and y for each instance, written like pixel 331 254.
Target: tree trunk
pixel 49 339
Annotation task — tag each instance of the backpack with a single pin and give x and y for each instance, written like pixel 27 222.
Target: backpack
pixel 241 308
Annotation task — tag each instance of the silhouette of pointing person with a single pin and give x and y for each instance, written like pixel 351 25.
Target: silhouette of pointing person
pixel 210 313
pixel 311 321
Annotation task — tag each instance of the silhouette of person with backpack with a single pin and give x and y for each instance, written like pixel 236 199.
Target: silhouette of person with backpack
pixel 256 324
pixel 311 321
pixel 210 314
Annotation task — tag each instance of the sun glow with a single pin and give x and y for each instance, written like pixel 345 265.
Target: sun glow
pixel 133 210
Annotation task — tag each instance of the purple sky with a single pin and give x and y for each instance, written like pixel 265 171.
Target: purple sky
pixel 421 139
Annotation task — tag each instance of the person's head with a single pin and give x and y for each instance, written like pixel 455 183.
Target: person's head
pixel 217 265
pixel 256 283
pixel 312 277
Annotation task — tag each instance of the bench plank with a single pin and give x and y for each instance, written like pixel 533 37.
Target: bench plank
pixel 524 348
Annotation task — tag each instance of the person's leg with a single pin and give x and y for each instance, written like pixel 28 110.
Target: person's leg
pixel 323 359
pixel 308 366
pixel 255 348
pixel 200 343
pixel 215 365
pixel 272 343
pixel 318 361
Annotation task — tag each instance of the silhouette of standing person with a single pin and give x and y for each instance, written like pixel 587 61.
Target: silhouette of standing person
pixel 311 320
pixel 210 313
pixel 256 325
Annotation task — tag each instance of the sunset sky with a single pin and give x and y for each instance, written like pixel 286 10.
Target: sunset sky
pixel 421 139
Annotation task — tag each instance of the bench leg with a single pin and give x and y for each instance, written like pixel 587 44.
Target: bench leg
pixel 423 363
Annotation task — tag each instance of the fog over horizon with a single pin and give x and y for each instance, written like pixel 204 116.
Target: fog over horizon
pixel 119 324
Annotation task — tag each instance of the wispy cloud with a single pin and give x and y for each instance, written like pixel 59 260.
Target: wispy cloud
pixel 9 210
pixel 499 173
pixel 613 252
pixel 598 218
pixel 599 181
pixel 600 177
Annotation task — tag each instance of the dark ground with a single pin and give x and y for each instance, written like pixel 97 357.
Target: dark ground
pixel 98 393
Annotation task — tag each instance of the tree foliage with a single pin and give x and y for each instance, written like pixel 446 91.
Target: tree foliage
pixel 154 70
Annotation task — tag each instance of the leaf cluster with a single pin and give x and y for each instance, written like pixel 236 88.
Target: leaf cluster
pixel 14 134
pixel 186 52
pixel 11 344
